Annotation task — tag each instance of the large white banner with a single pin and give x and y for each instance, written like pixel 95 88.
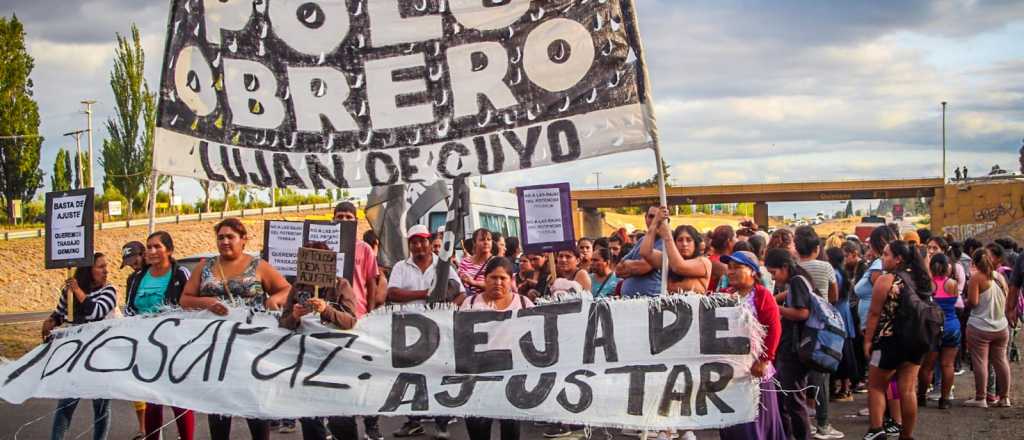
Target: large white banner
pixel 680 363
pixel 334 93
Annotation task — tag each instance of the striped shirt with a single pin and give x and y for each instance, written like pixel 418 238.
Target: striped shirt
pixel 97 305
pixel 473 271
pixel 822 275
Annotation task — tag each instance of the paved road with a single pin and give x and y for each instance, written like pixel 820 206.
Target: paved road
pixel 22 318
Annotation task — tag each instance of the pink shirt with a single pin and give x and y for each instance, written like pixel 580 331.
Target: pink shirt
pixel 365 269
pixel 477 302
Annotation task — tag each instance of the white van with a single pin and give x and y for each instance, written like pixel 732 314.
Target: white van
pixel 497 211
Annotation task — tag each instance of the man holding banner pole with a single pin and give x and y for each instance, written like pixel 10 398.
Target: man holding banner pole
pixel 411 282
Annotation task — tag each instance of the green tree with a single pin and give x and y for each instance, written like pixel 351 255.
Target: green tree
pixel 20 143
pixel 127 155
pixel 60 180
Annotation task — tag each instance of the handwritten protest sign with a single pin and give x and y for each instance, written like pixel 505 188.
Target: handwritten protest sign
pixel 339 237
pixel 69 229
pixel 680 362
pixel 281 243
pixel 317 267
pixel 325 93
pixel 545 218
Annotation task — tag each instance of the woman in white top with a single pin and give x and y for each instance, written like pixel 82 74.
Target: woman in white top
pixel 988 330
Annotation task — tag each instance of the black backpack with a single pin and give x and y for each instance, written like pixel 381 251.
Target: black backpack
pixel 919 320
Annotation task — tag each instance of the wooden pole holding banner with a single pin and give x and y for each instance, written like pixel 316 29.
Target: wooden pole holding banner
pixel 316 292
pixel 645 94
pixel 69 311
pixel 152 201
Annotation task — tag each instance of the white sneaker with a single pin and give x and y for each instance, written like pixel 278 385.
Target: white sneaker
pixel 976 403
pixel 689 435
pixel 828 432
pixel 632 432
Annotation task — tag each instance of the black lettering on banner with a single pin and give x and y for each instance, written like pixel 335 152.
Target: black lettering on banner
pixel 318 172
pixel 404 355
pixel 671 395
pixel 710 343
pixel 308 381
pixel 235 331
pixel 586 392
pixel 572 140
pixel 484 163
pixel 389 167
pixel 709 388
pixel 131 361
pixel 520 397
pixel 663 337
pixel 163 351
pixel 467 359
pixel 442 161
pixel 78 347
pixel 285 173
pixel 401 388
pixel 238 174
pixel 204 157
pixel 85 348
pixel 22 369
pixel 467 384
pixel 206 353
pixel 550 312
pixel 409 171
pixel 294 368
pixel 600 314
pixel 264 178
pixel 637 381
pixel 526 150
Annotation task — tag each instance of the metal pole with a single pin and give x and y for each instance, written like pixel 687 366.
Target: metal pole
pixel 943 141
pixel 597 174
pixel 88 112
pixel 78 150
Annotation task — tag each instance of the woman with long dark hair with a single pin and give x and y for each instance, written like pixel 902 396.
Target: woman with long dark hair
pixel 887 358
pixel 158 284
pixel 946 296
pixel 93 299
pixel 794 299
pixel 849 369
pixel 689 269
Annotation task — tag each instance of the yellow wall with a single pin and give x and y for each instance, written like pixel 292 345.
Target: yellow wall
pixel 967 209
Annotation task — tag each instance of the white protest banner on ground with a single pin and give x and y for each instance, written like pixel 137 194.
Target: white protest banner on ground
pixel 281 243
pixel 675 363
pixel 69 228
pixel 326 93
pixel 545 217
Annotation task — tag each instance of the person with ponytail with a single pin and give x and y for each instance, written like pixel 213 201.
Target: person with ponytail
pixel 902 264
pixel 159 284
pixel 946 296
pixel 794 304
pixel 988 330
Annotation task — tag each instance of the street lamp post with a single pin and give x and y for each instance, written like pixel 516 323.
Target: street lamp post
pixel 88 112
pixel 943 141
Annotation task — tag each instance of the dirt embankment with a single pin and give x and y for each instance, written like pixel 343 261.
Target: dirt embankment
pixel 25 286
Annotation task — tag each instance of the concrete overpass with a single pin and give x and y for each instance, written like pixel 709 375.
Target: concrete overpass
pixel 588 201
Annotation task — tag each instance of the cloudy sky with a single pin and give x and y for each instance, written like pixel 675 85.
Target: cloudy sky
pixel 745 91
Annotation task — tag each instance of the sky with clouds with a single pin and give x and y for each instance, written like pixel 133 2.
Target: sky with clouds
pixel 745 91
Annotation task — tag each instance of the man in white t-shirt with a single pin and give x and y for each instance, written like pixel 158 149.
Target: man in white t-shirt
pixel 410 283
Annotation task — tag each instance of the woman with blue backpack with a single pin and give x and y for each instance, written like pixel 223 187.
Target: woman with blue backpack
pixel 888 354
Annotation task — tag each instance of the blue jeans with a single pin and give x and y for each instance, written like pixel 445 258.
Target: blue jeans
pixel 66 409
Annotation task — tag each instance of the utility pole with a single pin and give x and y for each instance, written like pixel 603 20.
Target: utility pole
pixel 88 112
pixel 943 141
pixel 78 148
pixel 598 175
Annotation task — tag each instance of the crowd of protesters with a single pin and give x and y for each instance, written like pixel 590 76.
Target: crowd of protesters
pixel 783 278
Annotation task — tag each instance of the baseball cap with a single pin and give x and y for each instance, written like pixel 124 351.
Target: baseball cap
pixel 745 258
pixel 131 249
pixel 418 231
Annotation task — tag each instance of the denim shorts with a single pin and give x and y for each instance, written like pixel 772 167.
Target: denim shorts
pixel 950 339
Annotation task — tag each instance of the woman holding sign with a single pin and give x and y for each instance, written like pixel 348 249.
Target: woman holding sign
pixel 93 299
pixel 497 295
pixel 159 283
pixel 234 276
pixel 689 269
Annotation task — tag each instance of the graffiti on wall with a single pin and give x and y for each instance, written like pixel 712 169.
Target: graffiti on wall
pixel 962 232
pixel 992 214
